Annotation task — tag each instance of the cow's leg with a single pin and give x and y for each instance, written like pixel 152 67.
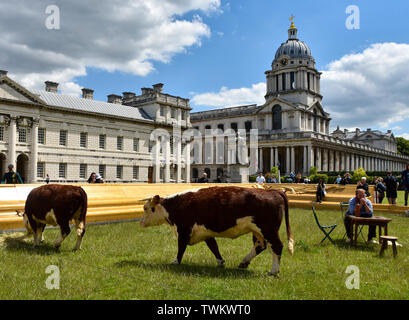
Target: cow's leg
pixel 276 247
pixel 64 232
pixel 183 240
pixel 80 226
pixel 39 233
pixel 212 244
pixel 259 246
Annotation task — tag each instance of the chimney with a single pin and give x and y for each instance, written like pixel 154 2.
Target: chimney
pixel 389 131
pixel 146 91
pixel 114 98
pixel 158 87
pixel 3 73
pixel 357 131
pixel 87 94
pixel 369 129
pixel 128 95
pixel 51 86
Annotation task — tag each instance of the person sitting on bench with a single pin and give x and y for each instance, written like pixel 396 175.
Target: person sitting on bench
pixel 359 206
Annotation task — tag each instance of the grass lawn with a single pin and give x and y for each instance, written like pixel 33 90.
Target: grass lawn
pixel 124 261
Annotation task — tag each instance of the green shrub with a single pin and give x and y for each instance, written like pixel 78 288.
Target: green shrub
pixel 316 178
pixel 358 174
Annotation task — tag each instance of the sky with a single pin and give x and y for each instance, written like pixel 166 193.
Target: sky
pixel 214 52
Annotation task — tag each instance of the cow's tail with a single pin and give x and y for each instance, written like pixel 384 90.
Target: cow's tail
pixel 287 223
pixel 84 205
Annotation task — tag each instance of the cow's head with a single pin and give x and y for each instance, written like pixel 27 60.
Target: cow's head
pixel 26 223
pixel 154 213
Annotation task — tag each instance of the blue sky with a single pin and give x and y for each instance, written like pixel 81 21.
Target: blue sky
pixel 218 58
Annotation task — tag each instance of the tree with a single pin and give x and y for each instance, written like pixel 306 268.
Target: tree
pixel 403 146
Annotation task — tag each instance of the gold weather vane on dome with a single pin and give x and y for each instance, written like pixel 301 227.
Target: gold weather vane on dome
pixel 292 22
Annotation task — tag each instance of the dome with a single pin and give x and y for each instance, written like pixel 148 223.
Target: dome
pixel 294 48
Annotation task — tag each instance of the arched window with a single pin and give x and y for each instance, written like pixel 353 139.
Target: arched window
pixel 207 170
pixel 276 112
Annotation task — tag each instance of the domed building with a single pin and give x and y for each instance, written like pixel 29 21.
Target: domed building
pixel 293 127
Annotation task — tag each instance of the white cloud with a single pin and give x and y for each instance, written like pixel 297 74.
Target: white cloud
pixel 113 35
pixel 369 88
pixel 232 97
pixel 404 135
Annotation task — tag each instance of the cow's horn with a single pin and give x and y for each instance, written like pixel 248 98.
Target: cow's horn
pixel 19 213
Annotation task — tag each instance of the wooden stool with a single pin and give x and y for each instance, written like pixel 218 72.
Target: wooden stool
pixel 385 240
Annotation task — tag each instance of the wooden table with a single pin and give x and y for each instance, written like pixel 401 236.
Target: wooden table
pixel 381 222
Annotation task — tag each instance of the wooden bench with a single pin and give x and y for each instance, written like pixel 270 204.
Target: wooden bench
pixel 384 246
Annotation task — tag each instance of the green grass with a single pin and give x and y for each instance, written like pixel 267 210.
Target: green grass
pixel 124 261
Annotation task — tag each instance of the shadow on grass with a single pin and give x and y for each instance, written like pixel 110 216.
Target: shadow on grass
pixel 192 269
pixel 19 245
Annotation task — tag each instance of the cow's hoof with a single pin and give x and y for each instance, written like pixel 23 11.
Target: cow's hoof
pixel 221 263
pixel 244 265
pixel 176 262
pixel 273 274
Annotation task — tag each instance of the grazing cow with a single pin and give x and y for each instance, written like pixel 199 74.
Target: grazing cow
pixel 56 205
pixel 202 215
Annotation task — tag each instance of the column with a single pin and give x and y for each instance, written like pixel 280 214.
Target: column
pixel 293 159
pixel 325 160
pixel 272 163
pixel 287 161
pixel 331 161
pixel 336 153
pixel 318 157
pixel 12 132
pixel 167 159
pixel 275 156
pixel 260 159
pixel 187 161
pixel 352 167
pixel 34 149
pixel 156 162
pixel 178 157
pixel 305 161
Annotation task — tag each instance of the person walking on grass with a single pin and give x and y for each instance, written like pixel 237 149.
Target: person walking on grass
pixel 320 191
pixel 380 190
pixel 391 187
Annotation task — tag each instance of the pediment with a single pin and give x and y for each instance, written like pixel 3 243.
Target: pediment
pixel 284 104
pixel 11 90
pixel 317 106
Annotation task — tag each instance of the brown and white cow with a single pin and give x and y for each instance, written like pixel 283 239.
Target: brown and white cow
pixel 204 214
pixel 56 205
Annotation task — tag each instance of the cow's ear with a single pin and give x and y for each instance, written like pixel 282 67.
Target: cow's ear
pixel 155 199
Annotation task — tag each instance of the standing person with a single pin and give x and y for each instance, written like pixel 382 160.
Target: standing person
pixel 391 187
pixel 405 183
pixel 47 179
pixel 363 185
pixel 260 179
pixel 362 207
pixel 380 190
pixel 320 191
pixel 11 177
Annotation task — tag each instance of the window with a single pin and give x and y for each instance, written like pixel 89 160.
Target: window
pixel 102 139
pixel 183 115
pixel 119 170
pixel 208 127
pixel 63 138
pixel 172 113
pixel 83 170
pixel 162 111
pixel 234 126
pixel 41 135
pixel 162 173
pixel 62 170
pixel 119 143
pixel 83 140
pixel 195 173
pixel 136 144
pixel 207 171
pixel 308 81
pixel 276 112
pixel 22 134
pixel 221 126
pixel 276 83
pixel 150 147
pixel 40 169
pixel 135 172
pixel 171 143
pixel 1 133
pixel 292 80
pixel 283 82
pixel 102 170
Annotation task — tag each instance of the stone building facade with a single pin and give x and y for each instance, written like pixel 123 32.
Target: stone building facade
pixel 44 132
pixel 293 127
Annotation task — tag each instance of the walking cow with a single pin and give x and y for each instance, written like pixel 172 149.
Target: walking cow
pixel 202 215
pixel 56 205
